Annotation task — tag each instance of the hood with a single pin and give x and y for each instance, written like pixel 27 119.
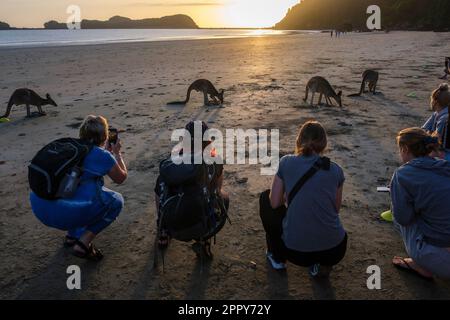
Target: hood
pixel 441 167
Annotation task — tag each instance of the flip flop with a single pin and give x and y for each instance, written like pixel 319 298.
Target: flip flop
pixel 4 120
pixel 90 253
pixel 163 240
pixel 69 242
pixel 407 267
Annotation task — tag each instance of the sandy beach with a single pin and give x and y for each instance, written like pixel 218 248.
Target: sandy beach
pixel 264 79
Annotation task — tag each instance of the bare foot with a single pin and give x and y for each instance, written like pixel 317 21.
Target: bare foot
pixel 409 265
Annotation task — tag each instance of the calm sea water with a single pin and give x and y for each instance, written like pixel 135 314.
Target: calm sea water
pixel 41 38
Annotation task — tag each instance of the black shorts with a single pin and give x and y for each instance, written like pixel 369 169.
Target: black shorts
pixel 272 220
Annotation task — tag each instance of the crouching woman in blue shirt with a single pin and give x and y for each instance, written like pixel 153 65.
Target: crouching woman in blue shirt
pixel 94 207
pixel 420 191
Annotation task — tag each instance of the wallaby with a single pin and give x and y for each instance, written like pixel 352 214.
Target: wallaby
pixel 208 89
pixel 371 78
pixel 447 69
pixel 322 86
pixel 29 98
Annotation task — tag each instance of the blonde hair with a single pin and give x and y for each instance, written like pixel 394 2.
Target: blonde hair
pixel 440 97
pixel 311 138
pixel 418 142
pixel 94 129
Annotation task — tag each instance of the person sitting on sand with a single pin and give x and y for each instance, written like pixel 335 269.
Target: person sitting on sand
pixel 94 207
pixel 309 232
pixel 420 191
pixel 437 123
pixel 201 186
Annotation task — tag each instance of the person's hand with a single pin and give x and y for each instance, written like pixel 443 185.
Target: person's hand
pixel 115 148
pixel 439 154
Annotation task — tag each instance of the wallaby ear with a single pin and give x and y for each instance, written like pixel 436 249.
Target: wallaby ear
pixel 48 96
pixel 340 93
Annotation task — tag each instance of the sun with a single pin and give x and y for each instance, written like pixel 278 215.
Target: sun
pixel 256 13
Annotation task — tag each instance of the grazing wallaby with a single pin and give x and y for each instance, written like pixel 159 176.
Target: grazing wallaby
pixel 322 86
pixel 447 69
pixel 371 78
pixel 29 98
pixel 208 89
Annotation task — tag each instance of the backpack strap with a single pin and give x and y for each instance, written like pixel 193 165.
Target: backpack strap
pixel 446 141
pixel 322 163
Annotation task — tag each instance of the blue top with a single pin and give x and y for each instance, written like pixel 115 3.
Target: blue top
pixel 420 192
pixel 97 164
pixel 312 221
pixel 438 123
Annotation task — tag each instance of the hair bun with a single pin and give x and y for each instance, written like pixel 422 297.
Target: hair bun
pixel 443 87
pixel 431 140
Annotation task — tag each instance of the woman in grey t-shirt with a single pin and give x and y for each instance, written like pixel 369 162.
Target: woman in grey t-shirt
pixel 309 233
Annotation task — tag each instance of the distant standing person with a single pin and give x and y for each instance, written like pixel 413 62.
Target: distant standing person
pixel 420 204
pixel 309 232
pixel 332 33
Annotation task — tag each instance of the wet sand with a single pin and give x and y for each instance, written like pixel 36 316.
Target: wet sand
pixel 265 80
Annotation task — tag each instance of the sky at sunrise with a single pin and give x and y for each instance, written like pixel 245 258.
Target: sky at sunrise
pixel 206 13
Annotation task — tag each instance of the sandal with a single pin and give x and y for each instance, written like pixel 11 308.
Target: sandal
pixel 406 266
pixel 164 239
pixel 90 253
pixel 202 249
pixel 69 242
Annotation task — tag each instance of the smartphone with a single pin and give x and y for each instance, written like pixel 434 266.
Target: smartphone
pixel 113 135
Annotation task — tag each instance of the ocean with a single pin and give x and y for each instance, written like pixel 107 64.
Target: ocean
pixel 45 38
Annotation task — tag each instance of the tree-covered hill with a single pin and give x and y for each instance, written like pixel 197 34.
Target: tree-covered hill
pixel 4 26
pixel 343 14
pixel 178 21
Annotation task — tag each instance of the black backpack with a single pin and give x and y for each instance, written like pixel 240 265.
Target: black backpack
pixel 189 208
pixel 55 171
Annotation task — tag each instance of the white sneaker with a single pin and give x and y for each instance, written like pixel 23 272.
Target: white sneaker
pixel 319 271
pixel 275 265
pixel 314 270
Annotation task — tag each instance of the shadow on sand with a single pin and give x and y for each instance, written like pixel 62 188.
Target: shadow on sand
pixel 52 282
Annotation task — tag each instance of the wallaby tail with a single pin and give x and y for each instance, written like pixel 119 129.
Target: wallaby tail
pixel 361 91
pixel 307 93
pixel 188 97
pixel 176 102
pixel 8 108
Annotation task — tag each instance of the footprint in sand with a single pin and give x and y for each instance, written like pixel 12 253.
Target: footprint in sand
pixel 340 147
pixel 74 125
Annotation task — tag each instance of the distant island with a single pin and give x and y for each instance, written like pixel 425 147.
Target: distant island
pixel 4 26
pixel 347 15
pixel 179 21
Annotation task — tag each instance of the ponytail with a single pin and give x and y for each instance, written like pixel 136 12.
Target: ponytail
pixel 418 142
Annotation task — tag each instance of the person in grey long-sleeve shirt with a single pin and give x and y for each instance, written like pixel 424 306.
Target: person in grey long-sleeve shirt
pixel 420 192
pixel 438 122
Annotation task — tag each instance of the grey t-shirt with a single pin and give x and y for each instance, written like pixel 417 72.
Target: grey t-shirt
pixel 312 222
